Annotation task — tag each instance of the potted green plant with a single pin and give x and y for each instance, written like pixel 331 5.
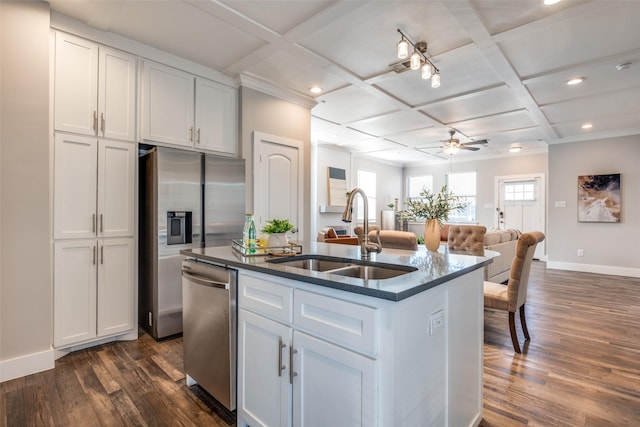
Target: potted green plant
pixel 277 229
pixel 434 208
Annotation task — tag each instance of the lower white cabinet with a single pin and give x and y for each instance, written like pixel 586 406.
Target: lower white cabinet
pixel 93 289
pixel 287 377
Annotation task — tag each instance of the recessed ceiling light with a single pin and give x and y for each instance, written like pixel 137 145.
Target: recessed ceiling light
pixel 550 2
pixel 515 149
pixel 315 89
pixel 623 66
pixel 575 81
pixel 587 126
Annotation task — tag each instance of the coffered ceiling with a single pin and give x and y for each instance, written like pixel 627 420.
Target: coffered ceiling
pixel 504 65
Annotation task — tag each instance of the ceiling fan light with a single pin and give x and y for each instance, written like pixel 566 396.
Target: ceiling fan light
pixel 435 80
pixel 426 71
pixel 415 60
pixel 451 150
pixel 403 49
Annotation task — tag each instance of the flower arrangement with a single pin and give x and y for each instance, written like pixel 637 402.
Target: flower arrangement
pixel 433 205
pixel 275 226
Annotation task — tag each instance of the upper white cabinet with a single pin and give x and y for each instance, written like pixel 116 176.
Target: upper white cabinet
pixel 182 109
pixel 95 89
pixel 94 187
pixel 215 120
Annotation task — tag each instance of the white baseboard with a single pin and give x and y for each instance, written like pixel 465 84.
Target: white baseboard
pixel 599 269
pixel 26 365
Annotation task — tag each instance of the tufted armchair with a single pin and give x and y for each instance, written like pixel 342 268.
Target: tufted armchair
pixel 467 237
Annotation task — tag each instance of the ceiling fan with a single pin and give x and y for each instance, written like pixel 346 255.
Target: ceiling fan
pixel 453 145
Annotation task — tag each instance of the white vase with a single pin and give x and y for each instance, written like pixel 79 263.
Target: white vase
pixel 277 240
pixel 432 234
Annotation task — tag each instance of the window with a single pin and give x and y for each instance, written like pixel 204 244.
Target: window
pixel 415 184
pixel 367 183
pixel 520 191
pixel 464 186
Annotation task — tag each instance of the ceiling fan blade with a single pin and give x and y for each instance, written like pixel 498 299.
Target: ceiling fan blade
pixel 464 147
pixel 480 141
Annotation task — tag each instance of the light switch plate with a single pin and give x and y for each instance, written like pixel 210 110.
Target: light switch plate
pixel 436 322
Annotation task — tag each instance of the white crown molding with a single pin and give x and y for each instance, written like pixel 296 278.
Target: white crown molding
pixel 254 82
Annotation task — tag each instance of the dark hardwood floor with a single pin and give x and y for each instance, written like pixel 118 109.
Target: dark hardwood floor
pixel 581 368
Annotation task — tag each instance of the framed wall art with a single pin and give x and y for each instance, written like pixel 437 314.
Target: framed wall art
pixel 599 198
pixel 337 181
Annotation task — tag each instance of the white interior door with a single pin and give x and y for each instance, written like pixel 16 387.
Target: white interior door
pixel 521 205
pixel 277 187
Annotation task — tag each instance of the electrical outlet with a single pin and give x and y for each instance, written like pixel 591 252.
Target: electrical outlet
pixel 580 252
pixel 436 322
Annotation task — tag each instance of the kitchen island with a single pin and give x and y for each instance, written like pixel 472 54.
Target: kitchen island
pixel 318 348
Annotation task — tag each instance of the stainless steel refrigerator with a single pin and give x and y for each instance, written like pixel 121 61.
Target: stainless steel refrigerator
pixel 187 200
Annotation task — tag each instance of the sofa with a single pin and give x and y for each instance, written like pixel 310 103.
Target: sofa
pixel 505 242
pixel 502 241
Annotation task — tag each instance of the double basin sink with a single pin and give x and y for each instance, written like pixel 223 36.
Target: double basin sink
pixel 344 267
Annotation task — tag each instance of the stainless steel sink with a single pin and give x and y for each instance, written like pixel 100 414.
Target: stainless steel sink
pixel 370 272
pixel 314 264
pixel 344 267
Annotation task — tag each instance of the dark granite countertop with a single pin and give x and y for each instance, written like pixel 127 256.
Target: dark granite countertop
pixel 433 268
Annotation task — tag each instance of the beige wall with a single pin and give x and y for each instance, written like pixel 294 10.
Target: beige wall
pixel 604 244
pixel 264 113
pixel 25 255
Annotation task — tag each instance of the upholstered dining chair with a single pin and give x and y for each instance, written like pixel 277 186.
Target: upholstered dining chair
pixel 513 296
pixel 467 237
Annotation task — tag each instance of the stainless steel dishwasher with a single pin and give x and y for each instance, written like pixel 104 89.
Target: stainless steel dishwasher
pixel 209 329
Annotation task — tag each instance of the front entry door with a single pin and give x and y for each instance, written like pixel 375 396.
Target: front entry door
pixel 277 183
pixel 521 205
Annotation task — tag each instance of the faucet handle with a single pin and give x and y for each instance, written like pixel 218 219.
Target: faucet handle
pixel 375 246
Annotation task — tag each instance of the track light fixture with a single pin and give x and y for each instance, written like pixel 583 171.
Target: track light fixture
pixel 418 59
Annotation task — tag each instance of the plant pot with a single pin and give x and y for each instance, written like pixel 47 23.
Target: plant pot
pixel 277 240
pixel 432 234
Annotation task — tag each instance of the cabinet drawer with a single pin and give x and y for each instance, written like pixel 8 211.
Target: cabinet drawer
pixel 343 322
pixel 265 297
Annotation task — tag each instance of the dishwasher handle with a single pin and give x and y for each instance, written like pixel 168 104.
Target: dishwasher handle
pixel 203 281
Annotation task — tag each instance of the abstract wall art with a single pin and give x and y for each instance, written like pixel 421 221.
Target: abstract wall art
pixel 599 198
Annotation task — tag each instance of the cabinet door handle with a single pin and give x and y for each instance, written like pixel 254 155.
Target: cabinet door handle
pixel 94 255
pixel 101 223
pixel 102 254
pixel 292 374
pixel 198 138
pixel 191 134
pixel 95 120
pixel 281 346
pixel 102 123
pixel 93 223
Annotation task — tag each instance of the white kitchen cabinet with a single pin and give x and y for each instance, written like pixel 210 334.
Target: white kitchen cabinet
pixel 116 286
pixel 216 117
pixel 94 187
pixel 179 108
pixel 93 289
pixel 264 391
pixel 316 382
pixel 94 89
pixel 74 294
pixel 167 104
